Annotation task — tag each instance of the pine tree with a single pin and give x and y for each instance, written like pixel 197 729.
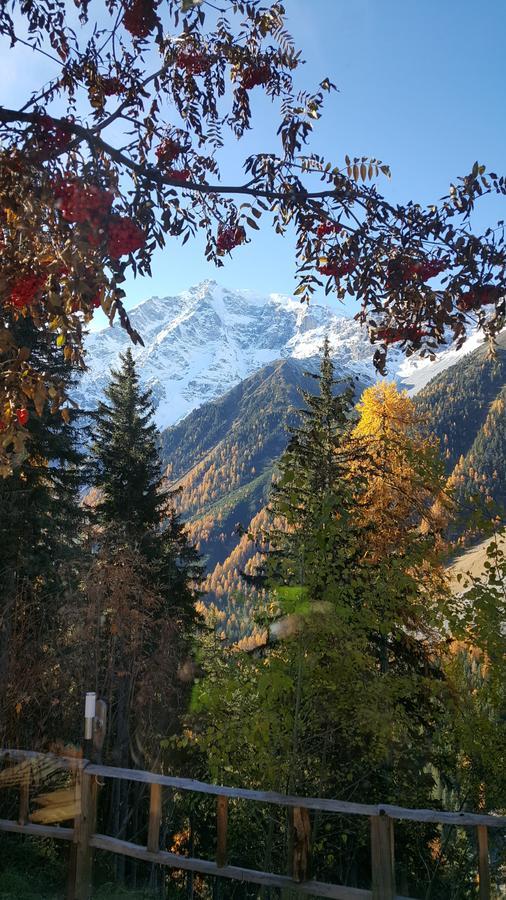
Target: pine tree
pixel 138 525
pixel 313 496
pixel 40 520
pixel 125 460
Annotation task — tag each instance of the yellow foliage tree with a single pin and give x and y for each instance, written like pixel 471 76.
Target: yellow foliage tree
pixel 406 483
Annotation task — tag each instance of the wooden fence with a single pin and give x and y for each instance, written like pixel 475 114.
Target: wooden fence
pixel 86 840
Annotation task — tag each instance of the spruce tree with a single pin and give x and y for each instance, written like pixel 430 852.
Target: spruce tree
pixel 40 520
pixel 125 460
pixel 138 523
pixel 313 494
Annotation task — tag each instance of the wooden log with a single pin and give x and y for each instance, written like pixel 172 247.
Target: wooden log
pixel 222 826
pixel 155 817
pixel 483 862
pixel 208 867
pixel 24 799
pixel 382 858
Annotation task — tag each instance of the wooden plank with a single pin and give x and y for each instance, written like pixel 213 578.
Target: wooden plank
pixel 382 858
pixel 483 862
pixel 222 826
pixel 208 867
pixel 155 817
pixel 60 834
pixel 201 787
pixel 460 819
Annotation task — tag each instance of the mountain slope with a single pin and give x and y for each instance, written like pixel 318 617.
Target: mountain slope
pixel 222 458
pixel 465 407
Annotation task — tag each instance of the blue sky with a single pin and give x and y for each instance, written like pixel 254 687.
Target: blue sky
pixel 421 87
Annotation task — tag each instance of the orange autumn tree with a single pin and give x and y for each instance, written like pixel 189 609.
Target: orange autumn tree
pixel 404 505
pixel 119 152
pixel 407 483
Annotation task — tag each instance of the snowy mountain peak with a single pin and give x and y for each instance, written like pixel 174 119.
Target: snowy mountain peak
pixel 201 342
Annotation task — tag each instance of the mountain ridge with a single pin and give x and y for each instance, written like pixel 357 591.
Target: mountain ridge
pixel 205 340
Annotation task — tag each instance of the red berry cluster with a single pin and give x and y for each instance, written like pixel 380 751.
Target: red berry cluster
pixel 337 269
pixel 49 135
pixel 124 236
pixel 24 289
pixel 82 203
pixel 111 86
pixel 22 416
pixel 179 174
pixel 140 18
pixel 394 335
pixel 479 296
pixel 167 151
pixel 251 76
pixel 401 270
pixel 229 236
pixel 327 228
pixel 193 61
pixel 425 269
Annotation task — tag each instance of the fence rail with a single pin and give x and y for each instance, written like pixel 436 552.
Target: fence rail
pixel 27 765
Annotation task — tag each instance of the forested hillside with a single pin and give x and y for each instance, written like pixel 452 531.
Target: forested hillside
pixel 465 408
pixel 222 459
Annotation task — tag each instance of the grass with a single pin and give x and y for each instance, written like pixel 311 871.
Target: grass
pixel 16 885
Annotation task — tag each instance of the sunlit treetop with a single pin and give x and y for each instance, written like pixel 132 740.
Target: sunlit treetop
pixel 119 154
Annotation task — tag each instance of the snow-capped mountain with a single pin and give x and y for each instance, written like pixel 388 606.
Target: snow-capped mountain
pixel 202 342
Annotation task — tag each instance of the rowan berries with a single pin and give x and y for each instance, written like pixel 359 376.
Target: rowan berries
pixel 22 416
pixel 124 236
pixel 25 288
pixel 229 236
pixel 82 203
pixel 477 297
pixel 193 62
pixel 168 150
pixel 179 174
pixel 328 228
pixel 253 75
pixel 140 18
pixel 337 269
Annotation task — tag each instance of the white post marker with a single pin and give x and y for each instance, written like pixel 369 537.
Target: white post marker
pixel 89 714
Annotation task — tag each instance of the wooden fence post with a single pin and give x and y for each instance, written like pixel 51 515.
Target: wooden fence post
pixel 301 825
pixel 24 798
pixel 483 862
pixel 155 817
pixel 84 827
pixel 382 858
pixel 222 825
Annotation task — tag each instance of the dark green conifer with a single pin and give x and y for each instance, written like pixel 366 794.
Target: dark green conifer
pixel 40 520
pixel 134 507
